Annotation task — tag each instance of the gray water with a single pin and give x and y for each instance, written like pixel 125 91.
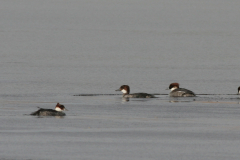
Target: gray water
pixel 53 50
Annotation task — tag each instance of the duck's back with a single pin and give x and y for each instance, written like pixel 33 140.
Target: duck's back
pixel 182 92
pixel 139 95
pixel 47 112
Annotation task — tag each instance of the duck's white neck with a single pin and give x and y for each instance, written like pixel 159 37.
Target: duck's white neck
pixel 58 109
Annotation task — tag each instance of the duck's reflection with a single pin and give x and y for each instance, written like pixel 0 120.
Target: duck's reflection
pixel 179 100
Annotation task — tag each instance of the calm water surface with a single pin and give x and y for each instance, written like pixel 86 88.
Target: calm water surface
pixel 52 50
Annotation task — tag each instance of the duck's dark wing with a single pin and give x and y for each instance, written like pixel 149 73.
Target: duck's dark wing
pixel 182 92
pixel 38 112
pixel 142 95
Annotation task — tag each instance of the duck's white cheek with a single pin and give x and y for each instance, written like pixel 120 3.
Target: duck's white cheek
pixel 172 89
pixel 124 91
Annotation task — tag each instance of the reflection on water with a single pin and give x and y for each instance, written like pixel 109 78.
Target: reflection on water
pixel 227 98
pixel 177 100
pixel 57 117
pixel 160 98
pixel 125 99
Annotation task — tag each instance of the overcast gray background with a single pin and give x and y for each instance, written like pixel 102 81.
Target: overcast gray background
pixel 51 50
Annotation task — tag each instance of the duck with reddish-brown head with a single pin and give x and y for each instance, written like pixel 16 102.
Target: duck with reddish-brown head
pixel 50 112
pixel 126 93
pixel 179 92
